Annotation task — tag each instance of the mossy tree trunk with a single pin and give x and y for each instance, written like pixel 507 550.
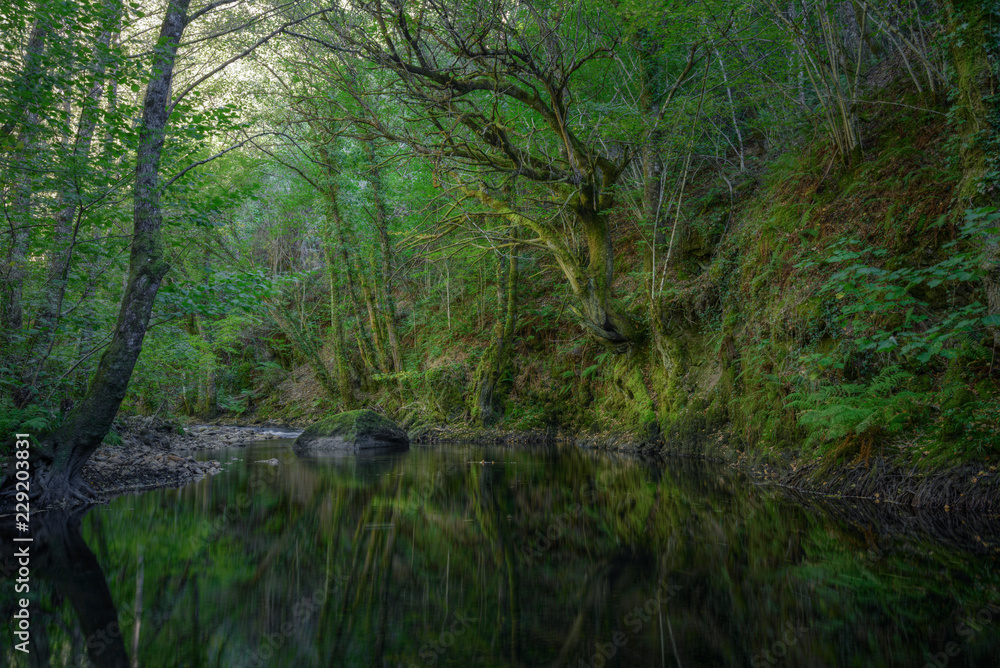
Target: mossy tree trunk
pixel 374 322
pixel 487 401
pixel 590 277
pixel 346 249
pixel 340 250
pixel 386 302
pixel 592 284
pixel 338 337
pixel 61 455
pixel 971 50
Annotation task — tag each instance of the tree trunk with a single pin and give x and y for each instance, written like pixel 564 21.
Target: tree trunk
pixel 17 254
pixel 338 337
pixel 346 247
pixel 65 451
pixel 591 284
pixel 18 185
pixel 487 404
pixel 343 287
pixel 67 221
pixel 596 312
pixel 384 286
pixel 376 324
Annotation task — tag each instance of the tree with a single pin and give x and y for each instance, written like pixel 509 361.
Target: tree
pixel 64 452
pixel 486 403
pixel 491 91
pixel 22 111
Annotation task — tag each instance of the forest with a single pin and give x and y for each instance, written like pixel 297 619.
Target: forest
pixel 747 229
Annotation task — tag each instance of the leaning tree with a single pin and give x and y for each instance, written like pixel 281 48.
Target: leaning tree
pixel 60 456
pixel 492 90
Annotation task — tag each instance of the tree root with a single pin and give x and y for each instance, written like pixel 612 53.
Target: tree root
pixel 52 490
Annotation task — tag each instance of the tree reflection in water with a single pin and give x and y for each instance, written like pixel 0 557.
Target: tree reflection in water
pixel 63 568
pixel 463 555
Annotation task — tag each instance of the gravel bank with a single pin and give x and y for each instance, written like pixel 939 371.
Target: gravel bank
pixel 155 453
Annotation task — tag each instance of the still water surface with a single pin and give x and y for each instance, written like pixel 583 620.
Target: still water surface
pixel 462 555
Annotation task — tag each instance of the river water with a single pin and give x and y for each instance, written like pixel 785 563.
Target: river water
pixel 462 555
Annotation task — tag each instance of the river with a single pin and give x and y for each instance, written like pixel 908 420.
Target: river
pixel 463 555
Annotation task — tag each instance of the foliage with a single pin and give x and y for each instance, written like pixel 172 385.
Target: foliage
pixel 846 412
pixel 33 420
pixel 880 308
pixel 759 187
pixel 879 317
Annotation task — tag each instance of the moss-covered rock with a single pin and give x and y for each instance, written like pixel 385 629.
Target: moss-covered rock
pixel 361 431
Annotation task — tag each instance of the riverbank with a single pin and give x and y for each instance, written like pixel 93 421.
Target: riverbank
pixel 967 487
pixel 155 453
pixel 971 487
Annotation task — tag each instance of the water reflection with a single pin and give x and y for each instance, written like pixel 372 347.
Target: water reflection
pixel 63 570
pixel 463 555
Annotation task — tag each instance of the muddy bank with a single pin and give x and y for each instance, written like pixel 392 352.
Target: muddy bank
pixel 973 487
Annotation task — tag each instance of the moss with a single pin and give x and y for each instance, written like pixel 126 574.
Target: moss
pixel 986 390
pixel 344 424
pixel 352 431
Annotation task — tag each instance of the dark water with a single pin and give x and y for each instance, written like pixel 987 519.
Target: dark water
pixel 472 556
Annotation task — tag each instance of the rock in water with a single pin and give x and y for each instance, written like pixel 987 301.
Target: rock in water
pixel 357 432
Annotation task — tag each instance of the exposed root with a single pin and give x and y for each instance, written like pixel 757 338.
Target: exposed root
pixel 64 493
pixel 963 488
pixel 52 490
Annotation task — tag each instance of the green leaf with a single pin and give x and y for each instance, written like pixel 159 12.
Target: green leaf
pixel 991 320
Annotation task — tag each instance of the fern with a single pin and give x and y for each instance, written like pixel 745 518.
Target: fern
pixel 839 413
pixel 35 424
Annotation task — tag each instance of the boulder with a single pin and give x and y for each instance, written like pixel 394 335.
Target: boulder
pixel 359 432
